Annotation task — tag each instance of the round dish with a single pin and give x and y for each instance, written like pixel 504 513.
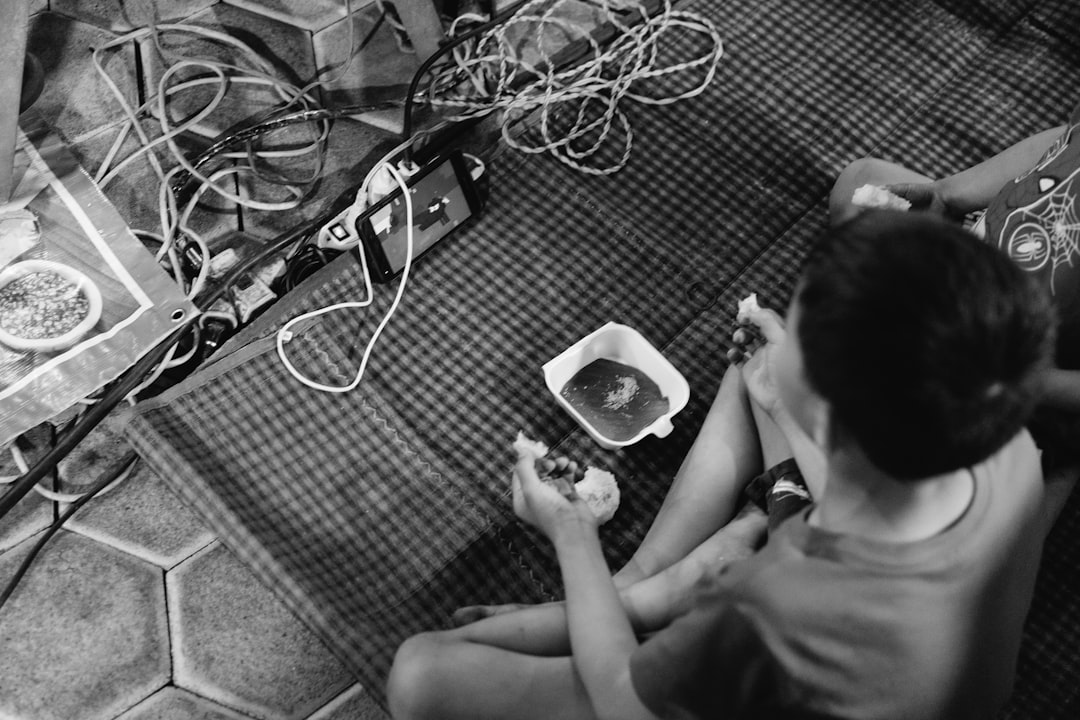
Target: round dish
pixel 69 336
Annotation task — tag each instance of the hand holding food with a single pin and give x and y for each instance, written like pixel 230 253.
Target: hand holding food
pixel 877 196
pixel 759 333
pixel 597 488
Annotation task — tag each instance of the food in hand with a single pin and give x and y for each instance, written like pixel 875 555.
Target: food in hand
pixel 876 196
pixel 537 448
pixel 600 491
pixel 747 305
pixel 598 488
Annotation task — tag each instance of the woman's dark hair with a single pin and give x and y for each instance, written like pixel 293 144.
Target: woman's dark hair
pixel 926 341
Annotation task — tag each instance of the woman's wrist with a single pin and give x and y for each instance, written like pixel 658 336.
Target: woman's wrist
pixel 949 198
pixel 574 522
pixel 783 419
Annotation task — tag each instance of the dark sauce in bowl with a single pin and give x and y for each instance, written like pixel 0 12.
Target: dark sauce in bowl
pixel 618 400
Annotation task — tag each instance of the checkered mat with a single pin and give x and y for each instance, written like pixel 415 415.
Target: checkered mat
pixel 376 513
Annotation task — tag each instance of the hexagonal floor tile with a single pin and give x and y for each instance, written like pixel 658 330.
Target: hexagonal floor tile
pixel 173 703
pixel 97 453
pixel 31 514
pixel 75 99
pixel 143 517
pixel 236 643
pixel 84 635
pixel 93 149
pixel 352 77
pixel 123 15
pixel 353 704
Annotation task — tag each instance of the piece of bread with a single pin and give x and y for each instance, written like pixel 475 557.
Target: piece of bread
pixel 600 491
pixel 537 448
pixel 747 305
pixel 598 488
pixel 876 196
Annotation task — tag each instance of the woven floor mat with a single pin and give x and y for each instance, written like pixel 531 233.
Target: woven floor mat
pixel 376 513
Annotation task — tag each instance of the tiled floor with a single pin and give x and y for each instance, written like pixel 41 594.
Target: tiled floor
pixel 135 610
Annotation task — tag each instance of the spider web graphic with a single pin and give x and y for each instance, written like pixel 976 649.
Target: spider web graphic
pixel 1047 231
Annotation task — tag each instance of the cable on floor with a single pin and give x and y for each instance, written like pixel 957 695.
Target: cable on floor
pixel 285 334
pixel 175 217
pixel 179 80
pixel 107 480
pixel 578 112
pixel 47 493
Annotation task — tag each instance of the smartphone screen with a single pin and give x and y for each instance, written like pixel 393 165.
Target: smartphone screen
pixel 439 205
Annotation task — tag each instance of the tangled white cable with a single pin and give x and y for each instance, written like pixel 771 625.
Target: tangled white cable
pixel 221 77
pixel 579 108
pixel 24 467
pixel 175 220
pixel 249 69
pixel 285 334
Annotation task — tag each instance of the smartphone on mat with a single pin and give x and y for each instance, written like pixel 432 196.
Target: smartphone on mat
pixel 444 197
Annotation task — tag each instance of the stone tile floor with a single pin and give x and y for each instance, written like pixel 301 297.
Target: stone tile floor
pixel 135 610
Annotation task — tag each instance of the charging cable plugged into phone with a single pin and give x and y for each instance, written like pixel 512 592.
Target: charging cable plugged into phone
pixel 389 234
pixel 446 194
pixel 340 233
pixel 444 197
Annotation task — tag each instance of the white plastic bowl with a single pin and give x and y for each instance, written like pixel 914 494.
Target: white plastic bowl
pixel 625 345
pixel 61 342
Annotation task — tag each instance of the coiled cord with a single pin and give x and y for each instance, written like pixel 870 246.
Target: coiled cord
pixel 578 110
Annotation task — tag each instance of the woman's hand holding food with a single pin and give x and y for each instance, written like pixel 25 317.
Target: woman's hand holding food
pixel 757 325
pixel 544 495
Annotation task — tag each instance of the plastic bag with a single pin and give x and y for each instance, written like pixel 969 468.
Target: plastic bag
pixel 80 298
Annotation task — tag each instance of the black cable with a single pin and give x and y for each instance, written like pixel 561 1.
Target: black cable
pixel 273 177
pixel 131 378
pixel 246 135
pixel 651 6
pixel 55 473
pixel 371 33
pixel 302 265
pixel 112 397
pixel 410 97
pixel 106 479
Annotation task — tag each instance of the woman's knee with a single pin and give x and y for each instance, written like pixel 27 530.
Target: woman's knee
pixel 413 681
pixel 861 171
pixel 856 174
pixel 865 171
